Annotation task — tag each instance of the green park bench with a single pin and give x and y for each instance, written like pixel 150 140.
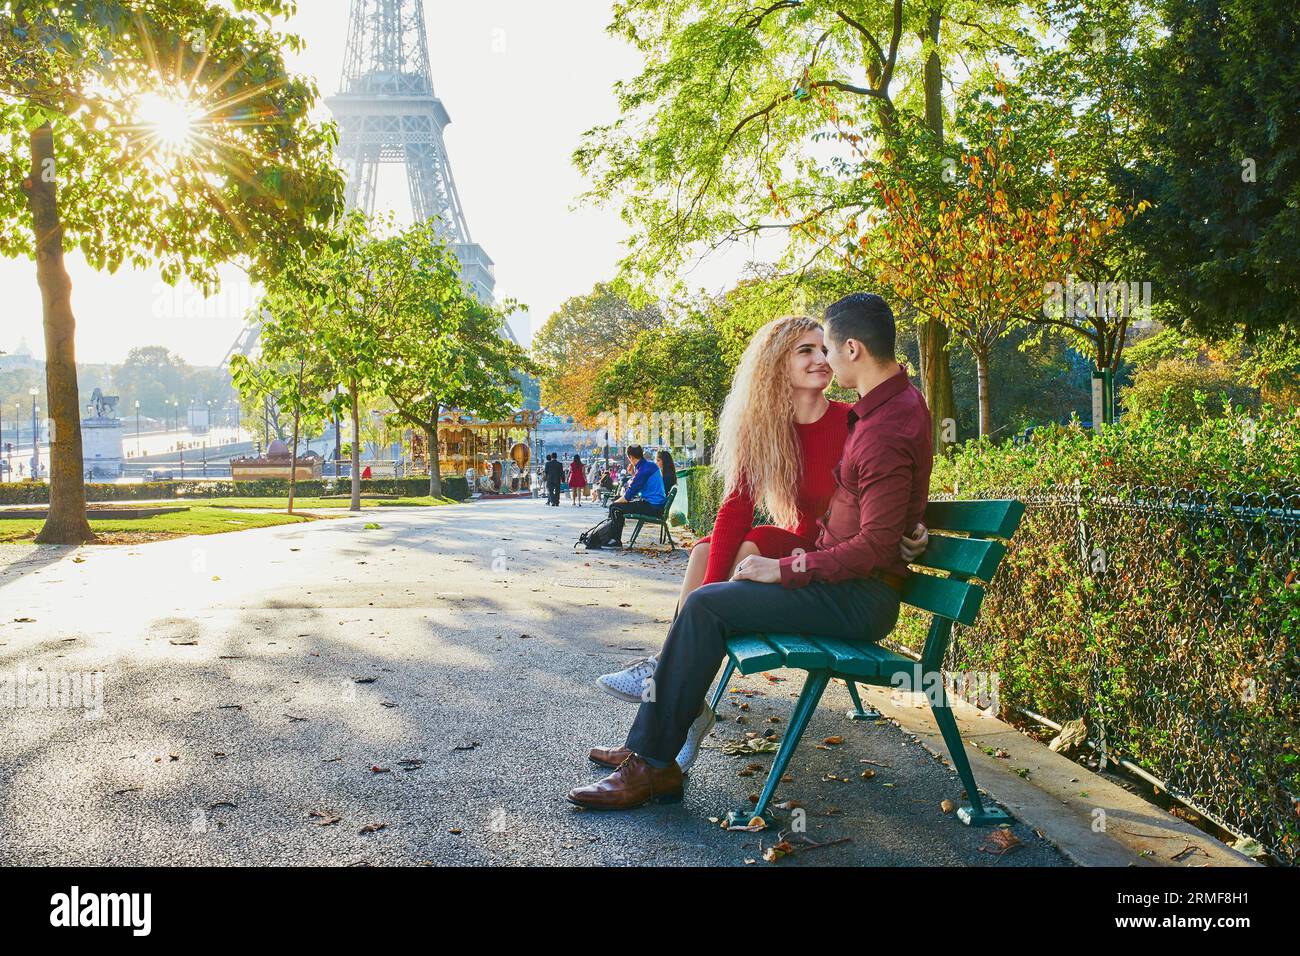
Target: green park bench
pixel 960 547
pixel 665 533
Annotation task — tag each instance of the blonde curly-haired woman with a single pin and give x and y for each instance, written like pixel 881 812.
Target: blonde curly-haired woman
pixel 779 441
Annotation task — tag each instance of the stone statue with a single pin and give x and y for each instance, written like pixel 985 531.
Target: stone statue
pixel 105 405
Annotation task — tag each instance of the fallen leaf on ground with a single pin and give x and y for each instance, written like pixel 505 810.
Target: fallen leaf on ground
pixel 1000 842
pixel 323 818
pixel 373 828
pixel 754 745
pixel 774 853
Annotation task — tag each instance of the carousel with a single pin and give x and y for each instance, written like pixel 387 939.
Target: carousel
pixel 492 455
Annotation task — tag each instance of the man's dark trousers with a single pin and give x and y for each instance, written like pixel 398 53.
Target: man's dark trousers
pixel 553 493
pixel 619 512
pixel 858 611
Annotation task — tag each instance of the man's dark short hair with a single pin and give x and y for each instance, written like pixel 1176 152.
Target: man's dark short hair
pixel 866 317
pixel 635 451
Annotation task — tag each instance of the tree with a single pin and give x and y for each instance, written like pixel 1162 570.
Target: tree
pixel 1222 165
pixel 981 255
pixel 717 133
pixel 349 297
pixel 678 370
pixel 152 375
pixel 292 373
pixel 446 349
pixel 148 131
pixel 578 342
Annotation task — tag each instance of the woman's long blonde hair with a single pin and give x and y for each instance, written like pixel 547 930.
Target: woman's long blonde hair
pixel 758 444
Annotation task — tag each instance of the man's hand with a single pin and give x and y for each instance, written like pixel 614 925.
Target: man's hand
pixel 755 568
pixel 913 547
pixel 619 501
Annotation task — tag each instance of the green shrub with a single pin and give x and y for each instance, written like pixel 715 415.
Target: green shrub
pixel 1218 455
pixel 34 492
pixel 1188 391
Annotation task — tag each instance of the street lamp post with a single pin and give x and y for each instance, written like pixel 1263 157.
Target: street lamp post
pixel 137 428
pixel 36 437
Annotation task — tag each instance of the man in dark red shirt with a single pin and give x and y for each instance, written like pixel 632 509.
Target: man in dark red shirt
pixel 846 588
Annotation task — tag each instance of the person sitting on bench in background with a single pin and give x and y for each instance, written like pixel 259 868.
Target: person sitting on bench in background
pixel 644 495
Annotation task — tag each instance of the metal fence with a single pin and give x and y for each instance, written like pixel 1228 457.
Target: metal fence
pixel 1169 620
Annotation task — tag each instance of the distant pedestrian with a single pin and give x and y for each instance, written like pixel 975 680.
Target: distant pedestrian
pixel 554 478
pixel 577 481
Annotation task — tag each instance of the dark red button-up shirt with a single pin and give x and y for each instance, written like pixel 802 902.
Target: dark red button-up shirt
pixel 880 489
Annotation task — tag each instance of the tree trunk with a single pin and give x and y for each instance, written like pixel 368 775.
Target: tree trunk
pixel 982 374
pixel 67 522
pixel 297 415
pixel 936 375
pixel 356 446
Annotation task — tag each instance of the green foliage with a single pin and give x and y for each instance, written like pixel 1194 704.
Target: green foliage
pixel 676 368
pixel 704 492
pixel 1218 455
pixel 721 112
pixel 35 493
pixel 1188 391
pixel 578 342
pixel 258 180
pixel 1221 163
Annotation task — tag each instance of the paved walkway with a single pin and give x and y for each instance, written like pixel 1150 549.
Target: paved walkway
pixel 431 676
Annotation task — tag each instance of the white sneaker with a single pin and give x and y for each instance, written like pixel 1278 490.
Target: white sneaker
pixel 690 751
pixel 629 683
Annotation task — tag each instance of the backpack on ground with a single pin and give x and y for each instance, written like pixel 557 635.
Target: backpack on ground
pixel 597 536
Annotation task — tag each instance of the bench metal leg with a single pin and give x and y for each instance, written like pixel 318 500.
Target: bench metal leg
pixel 722 684
pixel 976 814
pixel 859 712
pixel 803 711
pixel 667 533
pixel 635 531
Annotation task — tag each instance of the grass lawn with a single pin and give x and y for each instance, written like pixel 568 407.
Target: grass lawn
pixel 127 530
pixel 280 504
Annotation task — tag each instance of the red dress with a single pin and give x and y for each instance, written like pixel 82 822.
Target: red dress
pixel 821 443
pixel 577 475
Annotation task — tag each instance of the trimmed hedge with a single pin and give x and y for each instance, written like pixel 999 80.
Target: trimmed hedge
pixel 38 492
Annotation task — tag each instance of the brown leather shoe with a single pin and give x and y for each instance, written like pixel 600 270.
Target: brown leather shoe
pixel 609 756
pixel 634 784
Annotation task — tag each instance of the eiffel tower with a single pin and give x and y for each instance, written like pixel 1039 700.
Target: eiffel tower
pixel 387 112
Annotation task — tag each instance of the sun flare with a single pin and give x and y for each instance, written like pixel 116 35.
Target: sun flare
pixel 170 118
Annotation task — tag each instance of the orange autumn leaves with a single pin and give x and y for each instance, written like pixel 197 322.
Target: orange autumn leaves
pixel 977 252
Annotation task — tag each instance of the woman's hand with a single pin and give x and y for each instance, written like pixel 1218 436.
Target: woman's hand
pixel 760 569
pixel 913 547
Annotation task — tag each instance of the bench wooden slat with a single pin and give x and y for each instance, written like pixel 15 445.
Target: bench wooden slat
pixel 863 660
pixel 963 557
pixel 753 654
pixel 995 518
pixel 946 597
pixel 799 651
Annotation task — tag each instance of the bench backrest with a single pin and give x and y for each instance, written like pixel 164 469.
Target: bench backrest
pixel 668 499
pixel 965 560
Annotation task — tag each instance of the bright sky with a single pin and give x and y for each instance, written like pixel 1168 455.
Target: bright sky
pixel 522 81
